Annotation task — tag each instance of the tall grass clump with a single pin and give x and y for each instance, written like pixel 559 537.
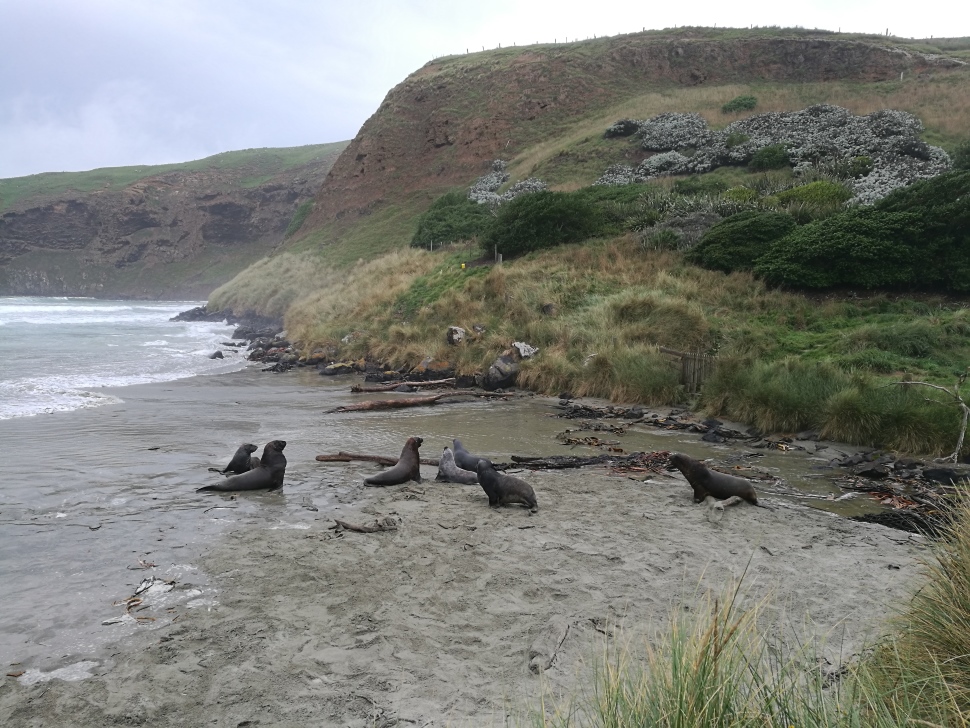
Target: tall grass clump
pixel 715 670
pixel 920 674
pixel 781 396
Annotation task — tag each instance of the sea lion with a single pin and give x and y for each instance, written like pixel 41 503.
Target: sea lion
pixel 449 472
pixel 241 462
pixel 464 459
pixel 268 476
pixel 706 482
pixel 504 490
pixel 408 466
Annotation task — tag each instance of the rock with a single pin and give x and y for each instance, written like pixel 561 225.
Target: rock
pixel 404 388
pixel 351 337
pixel 502 373
pixel 337 368
pixel 549 309
pixel 807 435
pixel 875 471
pixel 455 335
pixel 566 396
pixel 432 368
pixel 216 355
pixel 944 475
pixel 254 332
pixel 524 351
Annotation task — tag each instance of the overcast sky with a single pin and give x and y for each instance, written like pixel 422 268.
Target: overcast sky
pixel 101 83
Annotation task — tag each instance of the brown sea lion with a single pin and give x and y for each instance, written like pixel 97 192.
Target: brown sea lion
pixel 408 466
pixel 464 459
pixel 706 482
pixel 268 476
pixel 504 490
pixel 241 462
pixel 449 472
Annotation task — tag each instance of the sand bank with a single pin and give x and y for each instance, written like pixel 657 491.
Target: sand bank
pixel 432 623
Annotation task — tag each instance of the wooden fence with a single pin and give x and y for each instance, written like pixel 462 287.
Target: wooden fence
pixel 695 367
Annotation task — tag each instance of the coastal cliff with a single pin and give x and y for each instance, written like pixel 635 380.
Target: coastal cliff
pixel 174 231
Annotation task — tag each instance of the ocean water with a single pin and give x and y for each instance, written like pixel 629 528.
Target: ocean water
pixel 56 354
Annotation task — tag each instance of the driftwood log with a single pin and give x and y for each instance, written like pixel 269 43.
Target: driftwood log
pixel 357 389
pixel 399 402
pixel 346 457
pixel 385 525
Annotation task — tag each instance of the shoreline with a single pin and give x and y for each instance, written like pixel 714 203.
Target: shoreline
pixel 435 621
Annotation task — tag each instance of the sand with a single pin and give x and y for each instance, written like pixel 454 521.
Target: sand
pixel 432 624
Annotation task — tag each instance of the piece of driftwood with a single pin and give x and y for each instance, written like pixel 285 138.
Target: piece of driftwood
pixel 638 461
pixel 356 389
pixel 385 525
pixel 346 457
pixel 382 404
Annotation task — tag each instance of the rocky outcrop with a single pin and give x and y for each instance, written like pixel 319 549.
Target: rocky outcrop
pixel 175 234
pixel 818 137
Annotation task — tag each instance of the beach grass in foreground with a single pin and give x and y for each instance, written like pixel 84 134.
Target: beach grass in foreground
pixel 721 667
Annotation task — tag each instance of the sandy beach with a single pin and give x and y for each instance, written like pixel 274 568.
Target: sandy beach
pixel 432 623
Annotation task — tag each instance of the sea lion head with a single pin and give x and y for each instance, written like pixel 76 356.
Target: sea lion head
pixel 276 444
pixel 250 448
pixel 484 466
pixel 416 441
pixel 678 461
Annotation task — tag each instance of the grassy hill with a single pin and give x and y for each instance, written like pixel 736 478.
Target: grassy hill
pixel 246 168
pixel 787 361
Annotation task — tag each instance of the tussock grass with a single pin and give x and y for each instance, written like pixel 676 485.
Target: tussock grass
pixel 785 363
pixel 715 670
pixel 270 285
pixel 930 644
pixel 725 668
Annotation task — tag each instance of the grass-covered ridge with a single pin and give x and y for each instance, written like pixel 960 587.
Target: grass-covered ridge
pixel 253 166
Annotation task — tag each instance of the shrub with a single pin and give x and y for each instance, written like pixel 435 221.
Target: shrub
pixel 738 241
pixel 542 220
pixel 774 156
pixel 865 247
pixel 735 138
pixel 739 103
pixel 695 185
pixel 741 194
pixel 451 218
pixel 961 156
pixel 820 194
pixel 665 239
pixel 853 168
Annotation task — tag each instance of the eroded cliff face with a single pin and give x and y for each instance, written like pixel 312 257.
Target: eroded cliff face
pixel 173 235
pixel 441 126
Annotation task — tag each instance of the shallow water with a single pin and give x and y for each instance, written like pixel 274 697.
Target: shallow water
pixel 98 490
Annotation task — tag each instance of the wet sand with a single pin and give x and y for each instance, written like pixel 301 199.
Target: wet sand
pixel 432 623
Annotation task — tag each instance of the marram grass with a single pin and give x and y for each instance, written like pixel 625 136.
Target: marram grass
pixel 720 667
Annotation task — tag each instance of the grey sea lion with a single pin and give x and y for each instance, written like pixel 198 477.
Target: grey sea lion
pixel 706 482
pixel 408 466
pixel 449 472
pixel 267 476
pixel 464 459
pixel 241 462
pixel 504 490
